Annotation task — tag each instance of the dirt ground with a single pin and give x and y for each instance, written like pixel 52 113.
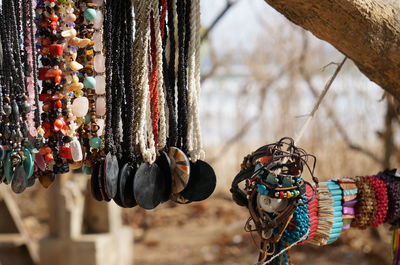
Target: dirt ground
pixel 212 233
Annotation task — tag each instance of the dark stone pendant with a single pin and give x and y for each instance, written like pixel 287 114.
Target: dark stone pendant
pixel 94 181
pixel 202 182
pixel 19 181
pixel 148 186
pixel 125 196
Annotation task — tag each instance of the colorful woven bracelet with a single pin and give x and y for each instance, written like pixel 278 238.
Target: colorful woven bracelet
pixel 366 205
pixel 381 197
pixel 336 193
pixel 350 191
pixel 325 215
pixel 312 211
pixel 393 191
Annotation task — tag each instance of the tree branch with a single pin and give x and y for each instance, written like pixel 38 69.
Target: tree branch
pixel 367 31
pixel 229 4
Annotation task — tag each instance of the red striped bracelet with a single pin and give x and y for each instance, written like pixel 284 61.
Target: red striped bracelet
pixel 312 211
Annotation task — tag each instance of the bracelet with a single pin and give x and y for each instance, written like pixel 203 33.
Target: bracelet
pixel 336 193
pixel 393 191
pixel 366 205
pixel 312 211
pixel 350 191
pixel 298 226
pixel 325 215
pixel 381 197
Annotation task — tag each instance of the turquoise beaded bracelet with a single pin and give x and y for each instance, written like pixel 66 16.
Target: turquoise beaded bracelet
pixel 336 194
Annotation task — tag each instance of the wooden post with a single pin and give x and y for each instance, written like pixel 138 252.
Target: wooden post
pixel 82 230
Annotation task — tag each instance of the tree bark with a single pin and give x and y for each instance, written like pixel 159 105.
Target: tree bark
pixel 367 31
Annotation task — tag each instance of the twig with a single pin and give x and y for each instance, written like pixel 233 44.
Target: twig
pixel 319 101
pixel 229 4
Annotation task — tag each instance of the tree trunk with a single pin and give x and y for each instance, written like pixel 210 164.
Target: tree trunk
pixel 367 31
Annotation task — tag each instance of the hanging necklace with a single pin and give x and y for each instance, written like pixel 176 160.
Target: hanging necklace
pixel 18 164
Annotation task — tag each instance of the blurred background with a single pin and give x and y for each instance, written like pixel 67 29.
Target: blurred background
pixel 260 77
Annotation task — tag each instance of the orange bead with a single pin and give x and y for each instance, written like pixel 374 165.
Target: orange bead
pixel 57 79
pixel 58 124
pixel 49 157
pixel 44 150
pixel 53 17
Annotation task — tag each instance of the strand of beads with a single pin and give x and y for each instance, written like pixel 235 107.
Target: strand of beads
pixel 91 141
pixel 99 88
pixel 51 76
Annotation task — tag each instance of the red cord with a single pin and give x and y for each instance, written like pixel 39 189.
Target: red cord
pixel 154 82
pixel 163 17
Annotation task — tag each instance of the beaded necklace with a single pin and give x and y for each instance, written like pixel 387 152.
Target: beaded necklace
pixel 18 164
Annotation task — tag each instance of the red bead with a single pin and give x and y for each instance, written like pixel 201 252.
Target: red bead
pixel 49 157
pixel 56 49
pixel 47 107
pixel 281 195
pixel 51 73
pixel 44 97
pixel 42 74
pixel 46 125
pixel 53 25
pixel 58 104
pixel 65 152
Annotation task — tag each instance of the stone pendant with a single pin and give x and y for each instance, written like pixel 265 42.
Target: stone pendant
pixel 19 181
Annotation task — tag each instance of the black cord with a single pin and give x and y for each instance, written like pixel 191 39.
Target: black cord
pixel 182 89
pixel 170 81
pixel 128 108
pixel 108 44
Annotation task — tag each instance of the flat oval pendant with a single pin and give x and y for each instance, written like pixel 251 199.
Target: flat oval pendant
pixel 125 186
pixel 148 186
pixel 94 182
pixel 28 163
pixel 111 175
pixel 180 169
pixel 19 180
pixel 164 163
pixel 202 182
pixel 8 169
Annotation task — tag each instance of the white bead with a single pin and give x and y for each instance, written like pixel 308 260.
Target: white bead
pixel 99 63
pixel 80 106
pixel 76 150
pixel 100 85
